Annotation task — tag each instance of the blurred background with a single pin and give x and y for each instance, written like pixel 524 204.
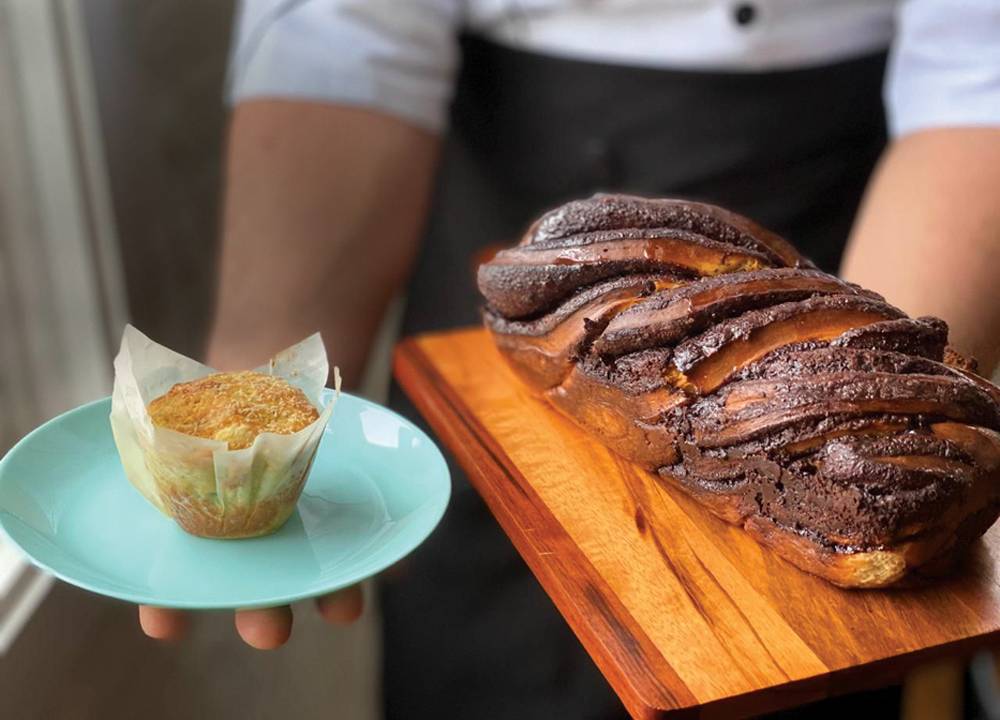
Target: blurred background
pixel 111 122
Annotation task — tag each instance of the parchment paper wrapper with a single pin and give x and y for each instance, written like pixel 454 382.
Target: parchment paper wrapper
pixel 206 488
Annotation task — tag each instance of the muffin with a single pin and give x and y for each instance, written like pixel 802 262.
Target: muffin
pixel 233 407
pixel 226 455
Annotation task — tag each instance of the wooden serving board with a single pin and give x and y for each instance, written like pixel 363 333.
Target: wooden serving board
pixel 684 614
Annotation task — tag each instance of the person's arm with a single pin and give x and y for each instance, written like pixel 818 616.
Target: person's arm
pixel 324 205
pixel 323 209
pixel 928 234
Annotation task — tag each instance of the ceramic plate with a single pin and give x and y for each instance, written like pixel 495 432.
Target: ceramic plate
pixel 378 487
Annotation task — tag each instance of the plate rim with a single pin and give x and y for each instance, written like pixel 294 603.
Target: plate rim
pixel 275 600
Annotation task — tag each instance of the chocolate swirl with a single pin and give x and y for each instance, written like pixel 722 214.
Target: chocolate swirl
pixel 809 410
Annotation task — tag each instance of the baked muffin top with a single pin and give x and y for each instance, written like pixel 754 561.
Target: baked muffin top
pixel 233 407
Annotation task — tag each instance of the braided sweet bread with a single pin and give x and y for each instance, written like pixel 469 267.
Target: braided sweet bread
pixel 835 429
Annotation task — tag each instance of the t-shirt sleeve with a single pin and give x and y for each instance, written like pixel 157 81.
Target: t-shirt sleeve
pixel 944 68
pixel 396 56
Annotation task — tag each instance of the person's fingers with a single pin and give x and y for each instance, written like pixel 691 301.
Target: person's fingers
pixel 266 628
pixel 342 607
pixel 162 623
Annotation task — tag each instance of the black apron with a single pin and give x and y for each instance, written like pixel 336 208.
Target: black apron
pixel 468 632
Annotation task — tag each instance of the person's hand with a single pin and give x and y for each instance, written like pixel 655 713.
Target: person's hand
pixel 263 629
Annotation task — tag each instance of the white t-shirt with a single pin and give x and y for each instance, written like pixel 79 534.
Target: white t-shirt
pixel 400 56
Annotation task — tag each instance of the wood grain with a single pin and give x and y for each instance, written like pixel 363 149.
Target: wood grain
pixel 684 614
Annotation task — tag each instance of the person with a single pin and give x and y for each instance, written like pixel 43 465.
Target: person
pixel 377 144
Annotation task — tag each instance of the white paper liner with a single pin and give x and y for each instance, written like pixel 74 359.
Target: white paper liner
pixel 208 489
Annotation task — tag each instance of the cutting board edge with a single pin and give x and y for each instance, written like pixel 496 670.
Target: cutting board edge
pixel 472 446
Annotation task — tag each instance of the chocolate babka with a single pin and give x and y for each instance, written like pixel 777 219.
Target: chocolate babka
pixel 835 429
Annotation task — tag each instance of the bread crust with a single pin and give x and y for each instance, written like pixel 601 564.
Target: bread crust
pixel 832 428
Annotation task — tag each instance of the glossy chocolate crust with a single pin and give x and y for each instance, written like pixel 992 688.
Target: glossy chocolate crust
pixel 835 429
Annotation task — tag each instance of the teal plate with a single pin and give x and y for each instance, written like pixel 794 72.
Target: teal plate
pixel 377 489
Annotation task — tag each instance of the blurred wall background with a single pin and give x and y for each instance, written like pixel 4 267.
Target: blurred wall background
pixel 158 73
pixel 159 69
